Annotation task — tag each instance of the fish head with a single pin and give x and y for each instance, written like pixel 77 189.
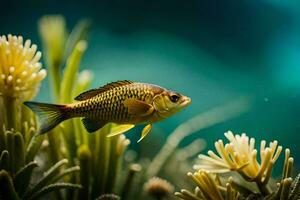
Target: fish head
pixel 168 103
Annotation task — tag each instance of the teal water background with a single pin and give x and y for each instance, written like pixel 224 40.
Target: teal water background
pixel 213 51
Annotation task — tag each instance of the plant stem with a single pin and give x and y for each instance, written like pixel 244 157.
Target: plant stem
pixel 104 153
pixel 11 112
pixel 113 165
pixel 53 145
pixel 263 188
pixel 7 189
pixel 101 163
pixel 84 156
pixel 2 139
pixel 129 179
pixel 54 75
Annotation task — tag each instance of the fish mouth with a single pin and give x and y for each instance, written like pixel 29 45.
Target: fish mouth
pixel 185 101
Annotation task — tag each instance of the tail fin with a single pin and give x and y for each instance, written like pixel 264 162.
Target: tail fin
pixel 50 115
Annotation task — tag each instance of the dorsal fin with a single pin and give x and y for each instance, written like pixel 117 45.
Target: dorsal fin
pixel 93 92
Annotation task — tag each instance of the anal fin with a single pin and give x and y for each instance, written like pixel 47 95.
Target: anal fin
pixel 145 132
pixel 92 125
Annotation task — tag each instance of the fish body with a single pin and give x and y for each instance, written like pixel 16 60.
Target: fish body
pixel 110 105
pixel 125 103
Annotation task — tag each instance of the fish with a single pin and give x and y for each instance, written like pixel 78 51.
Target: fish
pixel 125 103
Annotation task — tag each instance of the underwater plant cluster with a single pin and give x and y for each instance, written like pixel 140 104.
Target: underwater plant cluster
pixel 70 163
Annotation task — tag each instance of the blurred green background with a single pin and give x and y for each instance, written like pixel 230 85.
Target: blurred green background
pixel 213 51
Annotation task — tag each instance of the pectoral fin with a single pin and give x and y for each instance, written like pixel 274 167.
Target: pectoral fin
pixel 119 129
pixel 145 131
pixel 92 125
pixel 137 107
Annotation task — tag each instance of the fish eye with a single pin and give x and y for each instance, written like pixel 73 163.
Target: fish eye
pixel 174 98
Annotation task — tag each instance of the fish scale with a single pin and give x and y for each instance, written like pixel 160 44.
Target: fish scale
pixel 109 104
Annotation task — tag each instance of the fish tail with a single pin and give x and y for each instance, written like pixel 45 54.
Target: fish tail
pixel 50 115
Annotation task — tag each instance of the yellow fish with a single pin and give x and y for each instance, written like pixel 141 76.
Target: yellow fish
pixel 125 103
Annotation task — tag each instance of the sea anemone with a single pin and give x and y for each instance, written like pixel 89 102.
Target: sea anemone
pixel 20 69
pixel 158 188
pixel 240 155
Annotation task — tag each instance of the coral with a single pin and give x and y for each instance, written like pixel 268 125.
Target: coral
pixel 134 168
pixel 158 188
pixel 239 156
pixel 20 69
pixel 20 77
pixel 208 187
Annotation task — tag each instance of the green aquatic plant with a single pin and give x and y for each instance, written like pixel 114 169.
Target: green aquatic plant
pixel 21 75
pixel 97 176
pixel 58 45
pixel 240 156
pixel 17 186
pixel 68 144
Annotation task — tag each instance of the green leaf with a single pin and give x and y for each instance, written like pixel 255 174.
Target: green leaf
pixel 4 160
pixel 7 190
pixel 29 128
pixel 101 165
pixel 82 83
pixel 79 32
pixel 71 71
pixel 23 176
pixel 19 153
pixel 33 147
pixel 2 137
pixel 114 164
pixel 53 32
pixel 48 177
pixel 65 173
pixel 67 85
pixel 84 156
pixel 53 187
pixel 10 148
